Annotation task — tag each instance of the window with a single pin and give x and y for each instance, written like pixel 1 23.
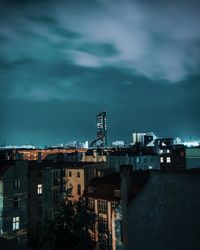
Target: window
pixel 39 227
pixel 70 173
pixel 79 189
pixel 117 193
pixel 39 188
pixel 55 178
pixel 78 174
pixel 90 190
pixel 56 195
pixel 102 225
pixel 15 223
pixel 167 150
pixel 91 203
pixel 168 159
pixel 102 206
pixel 103 242
pixel 39 208
pixel 161 159
pixel 17 184
pixel 16 202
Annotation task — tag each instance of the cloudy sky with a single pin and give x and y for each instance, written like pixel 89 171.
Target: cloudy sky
pixel 61 62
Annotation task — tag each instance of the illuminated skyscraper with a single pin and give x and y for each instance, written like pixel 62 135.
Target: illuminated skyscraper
pixel 101 129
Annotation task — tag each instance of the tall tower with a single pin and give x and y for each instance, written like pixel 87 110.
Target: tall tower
pixel 101 129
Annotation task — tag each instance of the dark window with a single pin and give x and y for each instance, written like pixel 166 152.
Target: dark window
pixel 78 174
pixel 70 174
pixel 103 243
pixel 102 206
pixel 79 189
pixel 17 184
pixel 39 208
pixel 56 196
pixel 55 178
pixel 39 227
pixel 102 225
pixel 39 174
pixel 16 202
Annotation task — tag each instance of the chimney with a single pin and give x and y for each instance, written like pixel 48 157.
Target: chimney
pixel 125 172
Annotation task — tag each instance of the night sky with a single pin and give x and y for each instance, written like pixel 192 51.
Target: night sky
pixel 61 62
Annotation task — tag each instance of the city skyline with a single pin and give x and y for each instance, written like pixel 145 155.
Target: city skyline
pixel 63 62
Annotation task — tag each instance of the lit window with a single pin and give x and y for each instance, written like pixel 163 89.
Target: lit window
pixel 168 159
pixel 167 150
pixel 39 188
pixel 17 184
pixel 161 159
pixel 15 223
pixel 161 151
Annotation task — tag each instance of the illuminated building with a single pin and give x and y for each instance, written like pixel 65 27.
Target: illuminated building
pixel 101 129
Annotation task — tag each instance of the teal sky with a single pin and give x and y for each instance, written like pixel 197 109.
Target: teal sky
pixel 61 62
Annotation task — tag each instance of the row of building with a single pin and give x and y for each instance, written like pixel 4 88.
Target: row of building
pixel 31 193
pixel 142 197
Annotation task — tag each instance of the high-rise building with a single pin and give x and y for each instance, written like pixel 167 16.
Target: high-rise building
pixel 101 129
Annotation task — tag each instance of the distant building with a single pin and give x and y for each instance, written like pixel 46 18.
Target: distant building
pixel 172 157
pixel 140 158
pixel 94 155
pixel 103 213
pixel 118 144
pixel 160 209
pixel 192 157
pixel 102 129
pixel 143 138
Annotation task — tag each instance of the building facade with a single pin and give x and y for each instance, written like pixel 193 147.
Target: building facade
pixel 102 129
pixel 103 213
pixel 14 201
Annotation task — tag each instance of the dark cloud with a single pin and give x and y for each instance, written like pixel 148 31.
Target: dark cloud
pixel 63 61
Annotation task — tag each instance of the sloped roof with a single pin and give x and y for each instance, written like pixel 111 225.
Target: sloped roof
pixel 103 187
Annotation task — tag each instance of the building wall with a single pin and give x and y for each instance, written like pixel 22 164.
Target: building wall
pixel 104 227
pixel 192 158
pixel 16 172
pixel 165 214
pixel 1 206
pixel 138 161
pixel 75 182
pixel 43 204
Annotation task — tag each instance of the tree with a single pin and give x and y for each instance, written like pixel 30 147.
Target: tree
pixel 67 231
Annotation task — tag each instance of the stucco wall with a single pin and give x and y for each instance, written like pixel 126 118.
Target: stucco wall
pixel 166 214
